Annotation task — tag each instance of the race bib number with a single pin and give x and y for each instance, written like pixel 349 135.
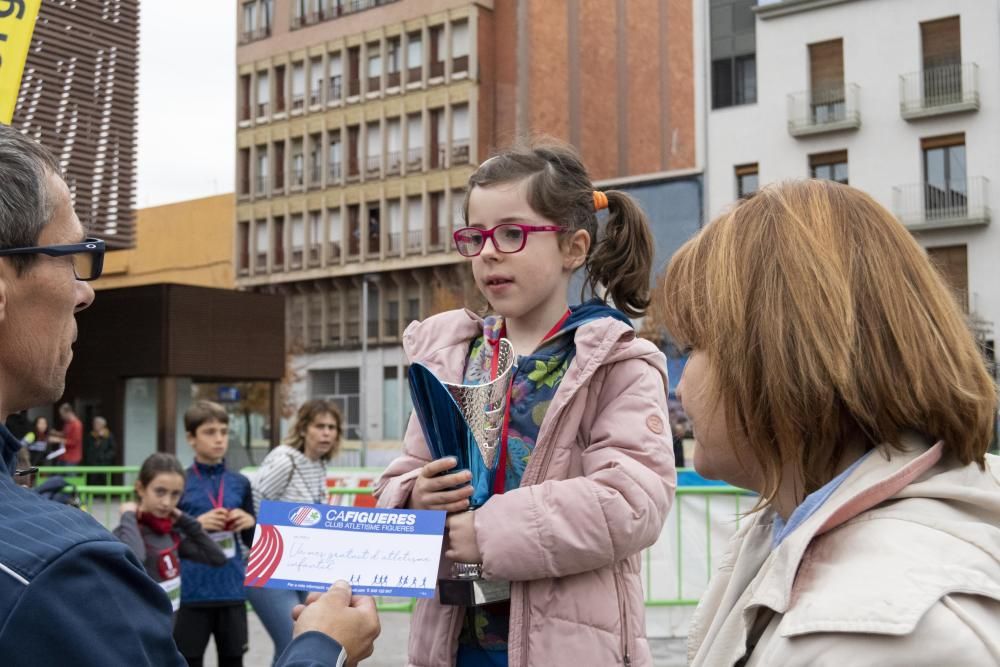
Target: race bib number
pixel 226 540
pixel 172 587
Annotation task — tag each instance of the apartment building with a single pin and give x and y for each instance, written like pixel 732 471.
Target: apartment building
pixel 896 97
pixel 359 122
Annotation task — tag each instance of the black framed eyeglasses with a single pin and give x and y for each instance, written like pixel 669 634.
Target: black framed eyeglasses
pixel 88 256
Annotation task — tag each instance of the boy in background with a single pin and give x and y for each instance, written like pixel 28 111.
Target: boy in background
pixel 212 598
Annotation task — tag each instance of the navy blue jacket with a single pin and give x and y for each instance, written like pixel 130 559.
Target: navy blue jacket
pixel 72 594
pixel 207 584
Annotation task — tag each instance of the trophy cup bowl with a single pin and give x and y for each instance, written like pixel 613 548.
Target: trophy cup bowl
pixel 466 422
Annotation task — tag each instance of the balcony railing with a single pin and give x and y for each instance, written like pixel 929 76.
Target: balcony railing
pixel 437 69
pixel 374 84
pixel 248 36
pixel 415 158
pixel 260 266
pixel 414 74
pixel 334 251
pixel 354 87
pixel 414 239
pixel 315 176
pixel 316 96
pixel 261 186
pixel 334 172
pixel 298 177
pixel 392 162
pixel 394 243
pixel 460 152
pixel 939 90
pixel 373 164
pixel 298 101
pixel 924 206
pixel 262 109
pixel 392 79
pixel 336 89
pixel 460 64
pixel 823 110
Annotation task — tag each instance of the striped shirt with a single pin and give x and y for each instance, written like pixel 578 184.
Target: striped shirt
pixel 288 475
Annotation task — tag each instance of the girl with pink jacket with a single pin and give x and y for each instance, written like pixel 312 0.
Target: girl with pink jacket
pixel 588 474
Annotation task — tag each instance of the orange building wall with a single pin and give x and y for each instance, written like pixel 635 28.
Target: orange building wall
pixel 189 243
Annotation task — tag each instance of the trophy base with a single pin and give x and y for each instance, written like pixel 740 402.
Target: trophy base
pixel 472 592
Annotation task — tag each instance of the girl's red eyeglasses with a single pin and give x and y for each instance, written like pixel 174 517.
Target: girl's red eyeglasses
pixel 508 237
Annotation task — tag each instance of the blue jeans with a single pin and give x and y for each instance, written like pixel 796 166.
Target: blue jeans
pixel 274 609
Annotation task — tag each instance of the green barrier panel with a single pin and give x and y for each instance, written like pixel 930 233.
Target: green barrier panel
pixel 113 495
pixel 73 473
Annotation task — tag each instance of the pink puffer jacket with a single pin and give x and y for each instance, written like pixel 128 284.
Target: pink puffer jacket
pixel 595 494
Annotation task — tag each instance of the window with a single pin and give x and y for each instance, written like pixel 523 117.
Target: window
pixel 335 159
pixel 414 223
pixel 335 90
pixel 315 160
pixel 315 236
pixel 316 81
pixel 279 89
pixel 298 240
pixel 953 264
pixel 941 46
pixel 746 180
pixel 395 235
pixel 278 237
pixel 354 71
pixel 374 67
pixel 438 134
pixel 945 179
pixel 261 184
pixel 352 319
pixel 279 165
pixel 414 57
pixel 353 230
pixel 266 13
pixel 298 163
pixel 296 320
pixel 436 38
pixel 260 246
pixel 298 86
pixel 829 166
pixel 439 221
pixel 392 64
pixel 371 326
pixel 414 141
pixel 392 415
pixel 457 211
pixel 341 386
pixel 334 318
pixel 374 229
pixel 374 153
pixel 245 89
pixel 734 63
pixel 243 247
pixel 249 20
pixel 314 321
pixel 263 93
pixel 394 145
pixel 460 134
pixel 353 152
pixel 243 165
pixel 826 81
pixel 335 229
pixel 459 47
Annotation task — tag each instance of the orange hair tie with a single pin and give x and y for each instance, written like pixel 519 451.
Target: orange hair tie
pixel 600 200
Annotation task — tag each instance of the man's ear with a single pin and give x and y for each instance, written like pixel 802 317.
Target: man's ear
pixel 577 247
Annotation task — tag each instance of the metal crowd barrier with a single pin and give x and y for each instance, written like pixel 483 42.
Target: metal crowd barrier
pixel 702 517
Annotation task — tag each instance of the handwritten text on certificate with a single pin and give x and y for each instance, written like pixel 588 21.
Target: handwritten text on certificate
pixel 378 551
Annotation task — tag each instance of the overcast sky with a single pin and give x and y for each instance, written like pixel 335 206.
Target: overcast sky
pixel 187 106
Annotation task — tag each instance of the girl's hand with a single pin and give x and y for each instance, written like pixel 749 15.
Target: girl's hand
pixel 214 520
pixel 461 535
pixel 240 520
pixel 128 507
pixel 431 492
pixel 176 512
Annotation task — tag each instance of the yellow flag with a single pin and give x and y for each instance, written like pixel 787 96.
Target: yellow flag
pixel 17 22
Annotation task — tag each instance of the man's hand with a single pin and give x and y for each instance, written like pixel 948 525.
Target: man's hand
pixel 351 622
pixel 240 520
pixel 431 492
pixel 214 520
pixel 461 545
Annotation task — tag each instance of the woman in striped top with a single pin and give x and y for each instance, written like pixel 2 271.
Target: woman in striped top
pixel 294 472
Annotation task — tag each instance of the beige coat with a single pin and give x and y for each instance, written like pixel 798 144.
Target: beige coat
pixel 901 566
pixel 594 495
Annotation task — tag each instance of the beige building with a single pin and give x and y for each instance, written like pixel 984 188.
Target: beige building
pixel 360 121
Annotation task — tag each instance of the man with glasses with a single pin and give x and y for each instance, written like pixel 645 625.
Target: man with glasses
pixel 70 593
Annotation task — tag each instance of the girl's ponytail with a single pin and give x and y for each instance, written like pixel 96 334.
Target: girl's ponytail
pixel 622 259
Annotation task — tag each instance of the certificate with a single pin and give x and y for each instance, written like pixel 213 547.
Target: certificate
pixel 378 551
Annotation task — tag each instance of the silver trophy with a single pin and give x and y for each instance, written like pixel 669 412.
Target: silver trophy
pixel 466 422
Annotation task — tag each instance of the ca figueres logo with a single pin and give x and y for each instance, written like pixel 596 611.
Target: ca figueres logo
pixel 305 516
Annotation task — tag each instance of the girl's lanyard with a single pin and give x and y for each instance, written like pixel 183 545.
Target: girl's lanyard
pixel 168 567
pixel 217 501
pixel 500 481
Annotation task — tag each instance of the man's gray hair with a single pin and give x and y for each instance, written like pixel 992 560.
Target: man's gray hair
pixel 25 203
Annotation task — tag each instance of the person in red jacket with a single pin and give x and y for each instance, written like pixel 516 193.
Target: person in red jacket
pixel 73 434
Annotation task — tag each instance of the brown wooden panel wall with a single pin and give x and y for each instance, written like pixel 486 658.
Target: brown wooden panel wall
pixel 78 98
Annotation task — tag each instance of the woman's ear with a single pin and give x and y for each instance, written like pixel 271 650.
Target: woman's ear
pixel 576 250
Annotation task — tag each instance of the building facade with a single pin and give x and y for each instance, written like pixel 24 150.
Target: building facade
pixel 359 123
pixel 78 98
pixel 896 97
